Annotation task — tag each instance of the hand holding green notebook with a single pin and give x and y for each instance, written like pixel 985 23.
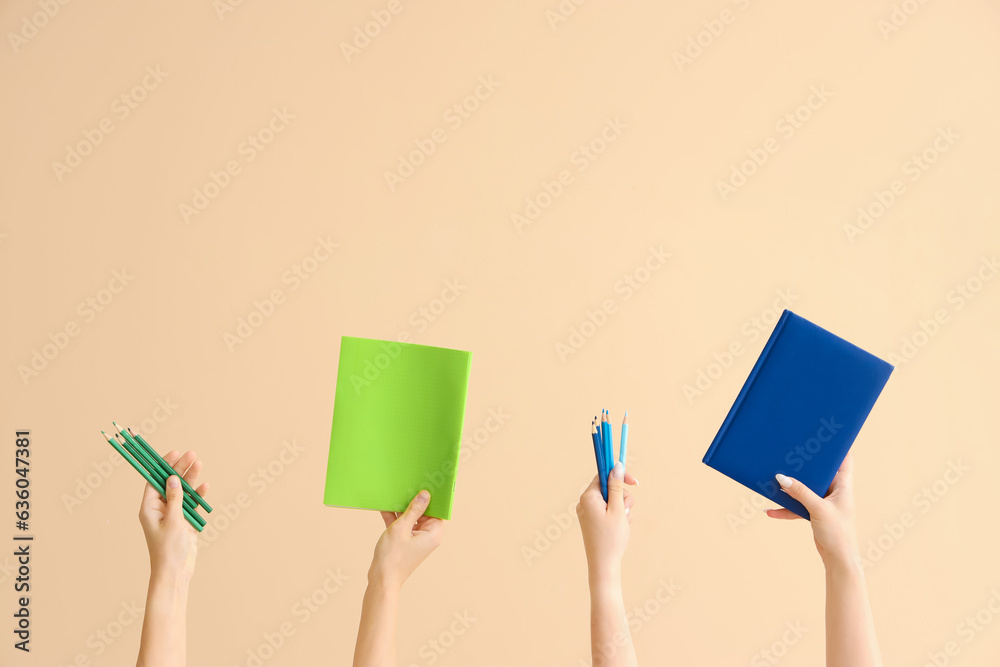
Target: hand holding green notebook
pixel 397 425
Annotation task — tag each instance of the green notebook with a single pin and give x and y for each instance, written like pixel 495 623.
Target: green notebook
pixel 397 425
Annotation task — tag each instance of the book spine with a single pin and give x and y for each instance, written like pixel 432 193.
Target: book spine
pixel 778 328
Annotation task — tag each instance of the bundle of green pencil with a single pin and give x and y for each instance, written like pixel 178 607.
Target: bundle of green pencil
pixel 134 449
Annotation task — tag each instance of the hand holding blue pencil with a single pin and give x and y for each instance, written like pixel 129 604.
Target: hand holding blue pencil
pixel 604 450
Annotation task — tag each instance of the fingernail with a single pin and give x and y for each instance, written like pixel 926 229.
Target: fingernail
pixel 173 482
pixel 784 481
pixel 636 480
pixel 423 497
pixel 627 509
pixel 618 472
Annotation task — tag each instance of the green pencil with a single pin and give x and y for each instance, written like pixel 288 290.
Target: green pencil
pixel 152 482
pixel 159 474
pixel 154 469
pixel 166 466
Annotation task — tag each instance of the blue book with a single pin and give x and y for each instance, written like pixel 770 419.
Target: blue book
pixel 799 411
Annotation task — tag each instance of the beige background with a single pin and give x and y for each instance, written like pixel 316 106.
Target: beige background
pixel 161 340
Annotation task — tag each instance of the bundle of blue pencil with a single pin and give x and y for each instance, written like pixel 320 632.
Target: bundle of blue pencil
pixel 603 450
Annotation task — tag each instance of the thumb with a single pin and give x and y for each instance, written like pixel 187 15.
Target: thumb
pixel 800 492
pixel 175 498
pixel 616 488
pixel 415 509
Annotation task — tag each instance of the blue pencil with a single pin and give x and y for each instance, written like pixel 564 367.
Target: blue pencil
pixel 624 444
pixel 599 455
pixel 609 454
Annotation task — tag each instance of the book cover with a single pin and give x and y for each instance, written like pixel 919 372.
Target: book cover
pixel 798 412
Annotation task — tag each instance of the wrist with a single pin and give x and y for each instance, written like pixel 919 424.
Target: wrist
pixel 170 578
pixel 605 577
pixel 843 565
pixel 383 584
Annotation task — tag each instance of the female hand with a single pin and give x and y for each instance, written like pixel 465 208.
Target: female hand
pixel 832 518
pixel 171 540
pixel 408 539
pixel 605 526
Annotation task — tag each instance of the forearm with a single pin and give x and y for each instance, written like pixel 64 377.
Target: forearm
pixel 164 636
pixel 610 639
pixel 850 627
pixel 376 646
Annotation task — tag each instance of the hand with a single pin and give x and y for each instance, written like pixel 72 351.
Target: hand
pixel 408 539
pixel 171 540
pixel 832 518
pixel 605 526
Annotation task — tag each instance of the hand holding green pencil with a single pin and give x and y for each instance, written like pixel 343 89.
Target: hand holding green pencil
pixel 155 470
pixel 171 542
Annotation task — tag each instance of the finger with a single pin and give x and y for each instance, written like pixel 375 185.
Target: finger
pixel 203 489
pixel 630 479
pixel 629 501
pixel 629 515
pixel 175 499
pixel 416 509
pixel 191 474
pixel 184 462
pixel 783 514
pixel 430 532
pixel 171 457
pixel 845 475
pixel 594 488
pixel 388 518
pixel 616 488
pixel 151 497
pixel 800 492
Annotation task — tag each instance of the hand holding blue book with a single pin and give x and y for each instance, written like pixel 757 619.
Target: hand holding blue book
pixel 798 412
